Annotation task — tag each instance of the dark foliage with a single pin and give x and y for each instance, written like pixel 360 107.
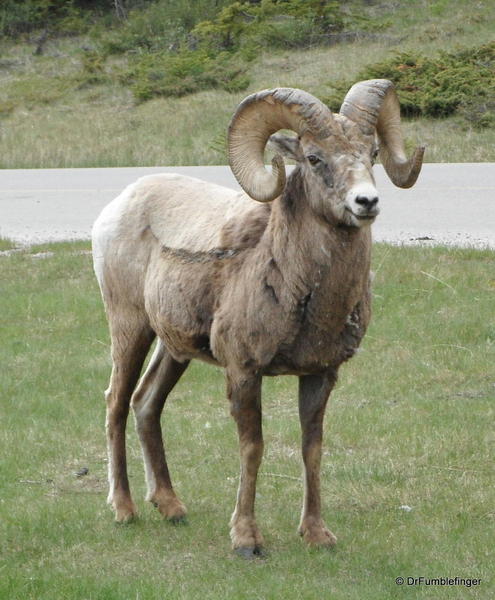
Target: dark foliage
pixel 175 47
pixel 460 82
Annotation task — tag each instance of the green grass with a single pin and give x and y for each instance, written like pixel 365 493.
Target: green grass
pixel 6 244
pixel 410 423
pixel 46 99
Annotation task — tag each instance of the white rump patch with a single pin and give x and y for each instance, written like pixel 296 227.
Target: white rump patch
pixel 105 228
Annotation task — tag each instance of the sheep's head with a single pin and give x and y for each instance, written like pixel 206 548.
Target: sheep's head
pixel 335 153
pixel 336 171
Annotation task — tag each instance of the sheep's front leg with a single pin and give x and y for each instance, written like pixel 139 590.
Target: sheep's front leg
pixel 245 405
pixel 313 395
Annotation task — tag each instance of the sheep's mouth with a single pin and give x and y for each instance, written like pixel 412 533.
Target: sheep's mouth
pixel 365 218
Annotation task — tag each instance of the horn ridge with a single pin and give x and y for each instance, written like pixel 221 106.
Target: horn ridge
pixel 373 104
pixel 257 117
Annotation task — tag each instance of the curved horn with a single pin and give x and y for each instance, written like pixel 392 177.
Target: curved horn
pixel 373 104
pixel 255 120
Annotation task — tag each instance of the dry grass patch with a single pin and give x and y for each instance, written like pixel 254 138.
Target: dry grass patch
pixel 49 99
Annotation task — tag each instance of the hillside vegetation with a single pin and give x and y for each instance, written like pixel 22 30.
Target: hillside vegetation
pixel 155 82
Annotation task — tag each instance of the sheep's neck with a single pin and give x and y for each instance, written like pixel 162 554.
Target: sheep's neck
pixel 325 267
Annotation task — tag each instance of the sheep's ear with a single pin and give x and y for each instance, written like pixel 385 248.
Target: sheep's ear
pixel 286 145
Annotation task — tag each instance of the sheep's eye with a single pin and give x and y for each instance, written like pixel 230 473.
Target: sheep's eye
pixel 374 154
pixel 313 159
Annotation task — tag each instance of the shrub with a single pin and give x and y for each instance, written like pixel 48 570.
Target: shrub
pixel 270 22
pixel 480 113
pixel 157 27
pixel 60 18
pixel 19 17
pixel 170 53
pixel 453 82
pixel 175 47
pixel 165 74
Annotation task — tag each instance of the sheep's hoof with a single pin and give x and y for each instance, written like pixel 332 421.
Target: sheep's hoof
pixel 178 520
pixel 251 552
pixel 319 538
pixel 126 519
pixel 125 513
pixel 170 507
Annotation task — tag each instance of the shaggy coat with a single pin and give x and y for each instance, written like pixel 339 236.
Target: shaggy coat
pixel 275 287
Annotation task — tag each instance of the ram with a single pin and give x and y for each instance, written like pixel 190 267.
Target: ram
pixel 274 280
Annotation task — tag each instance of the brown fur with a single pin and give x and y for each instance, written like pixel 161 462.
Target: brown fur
pixel 275 289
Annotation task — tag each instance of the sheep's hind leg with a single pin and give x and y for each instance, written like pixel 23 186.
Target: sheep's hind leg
pixel 148 401
pixel 313 395
pixel 245 399
pixel 131 341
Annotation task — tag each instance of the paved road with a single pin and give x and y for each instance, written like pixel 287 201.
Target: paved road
pixel 451 203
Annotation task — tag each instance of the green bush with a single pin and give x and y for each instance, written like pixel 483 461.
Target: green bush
pixel 172 54
pixel 60 17
pixel 158 27
pixel 93 69
pixel 179 74
pixel 19 17
pixel 270 23
pixel 459 82
pixel 175 47
pixel 480 112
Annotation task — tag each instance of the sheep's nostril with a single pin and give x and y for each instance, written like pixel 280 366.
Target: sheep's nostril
pixel 366 202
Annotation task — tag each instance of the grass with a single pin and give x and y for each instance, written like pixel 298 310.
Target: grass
pixel 6 244
pixel 45 99
pixel 410 423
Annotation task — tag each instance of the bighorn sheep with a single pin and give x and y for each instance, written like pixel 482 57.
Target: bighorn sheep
pixel 273 287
